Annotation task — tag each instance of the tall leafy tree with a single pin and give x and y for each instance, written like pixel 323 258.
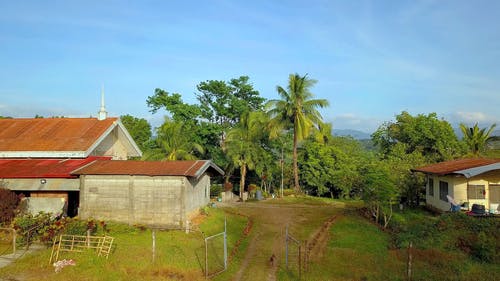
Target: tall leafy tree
pixel 476 138
pixel 174 142
pixel 224 102
pixel 172 102
pixel 243 144
pixel 296 110
pixel 333 166
pixel 432 137
pixel 139 129
pixel 380 192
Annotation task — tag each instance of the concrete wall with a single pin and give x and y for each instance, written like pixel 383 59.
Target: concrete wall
pixel 457 188
pixel 51 184
pixel 163 201
pixel 197 195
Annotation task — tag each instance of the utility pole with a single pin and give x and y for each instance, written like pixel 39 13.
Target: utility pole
pixel 282 163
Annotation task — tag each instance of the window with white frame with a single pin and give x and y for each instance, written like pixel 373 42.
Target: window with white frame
pixel 476 191
pixel 430 184
pixel 443 190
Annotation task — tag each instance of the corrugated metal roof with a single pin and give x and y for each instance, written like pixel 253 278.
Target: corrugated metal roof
pixel 149 168
pixel 51 134
pixel 472 172
pixel 456 166
pixel 43 168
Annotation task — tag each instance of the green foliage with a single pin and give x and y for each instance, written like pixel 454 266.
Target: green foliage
pixel 8 204
pixel 139 129
pixel 174 141
pixel 173 103
pixel 223 102
pixel 76 226
pixel 244 143
pixel 380 192
pixel 426 134
pixel 476 237
pixel 35 227
pixel 332 167
pixel 215 190
pixel 296 110
pixel 289 191
pixel 476 139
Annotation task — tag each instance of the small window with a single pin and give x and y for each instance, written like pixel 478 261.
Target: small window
pixel 475 191
pixel 431 187
pixel 443 190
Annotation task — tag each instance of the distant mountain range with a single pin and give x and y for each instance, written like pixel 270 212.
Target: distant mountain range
pixel 359 135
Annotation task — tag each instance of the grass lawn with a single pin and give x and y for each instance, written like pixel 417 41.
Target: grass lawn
pixel 179 256
pixel 354 248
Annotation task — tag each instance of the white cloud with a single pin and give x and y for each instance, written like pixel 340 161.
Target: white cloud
pixel 355 122
pixel 470 118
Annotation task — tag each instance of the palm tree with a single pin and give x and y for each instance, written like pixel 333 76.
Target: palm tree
pixel 173 142
pixel 297 110
pixel 476 138
pixel 243 143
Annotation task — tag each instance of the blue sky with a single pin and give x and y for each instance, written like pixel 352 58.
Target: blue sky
pixel 372 59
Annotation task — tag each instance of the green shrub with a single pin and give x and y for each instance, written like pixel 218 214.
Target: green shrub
pixel 476 237
pixel 204 210
pixel 483 248
pixel 76 227
pixel 215 190
pixel 34 227
pixel 288 192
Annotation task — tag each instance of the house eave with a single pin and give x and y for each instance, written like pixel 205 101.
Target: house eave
pixel 43 154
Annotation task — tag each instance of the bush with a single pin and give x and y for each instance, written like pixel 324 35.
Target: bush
pixel 75 227
pixel 8 204
pixel 33 227
pixel 483 248
pixel 215 190
pixel 288 192
pixel 476 237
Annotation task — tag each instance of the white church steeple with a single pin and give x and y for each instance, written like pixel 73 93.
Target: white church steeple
pixel 102 114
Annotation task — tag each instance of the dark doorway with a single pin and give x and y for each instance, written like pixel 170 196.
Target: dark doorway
pixel 73 203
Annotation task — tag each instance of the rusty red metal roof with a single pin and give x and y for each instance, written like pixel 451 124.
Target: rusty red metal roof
pixel 192 168
pixel 450 167
pixel 43 168
pixel 51 134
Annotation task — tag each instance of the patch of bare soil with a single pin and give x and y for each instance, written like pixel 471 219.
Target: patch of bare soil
pixel 317 243
pixel 264 253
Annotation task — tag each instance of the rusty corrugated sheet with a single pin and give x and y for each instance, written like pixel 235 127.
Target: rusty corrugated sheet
pixel 43 168
pixel 449 167
pixel 51 134
pixel 146 168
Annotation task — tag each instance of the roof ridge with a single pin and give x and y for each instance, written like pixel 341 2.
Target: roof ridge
pixel 191 167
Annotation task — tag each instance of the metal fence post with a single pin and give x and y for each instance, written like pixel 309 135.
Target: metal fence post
pixel 225 243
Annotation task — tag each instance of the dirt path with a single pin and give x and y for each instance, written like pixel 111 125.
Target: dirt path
pixel 265 252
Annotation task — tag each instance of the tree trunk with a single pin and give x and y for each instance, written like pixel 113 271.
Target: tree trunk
pixel 243 171
pixel 387 217
pixel 295 165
